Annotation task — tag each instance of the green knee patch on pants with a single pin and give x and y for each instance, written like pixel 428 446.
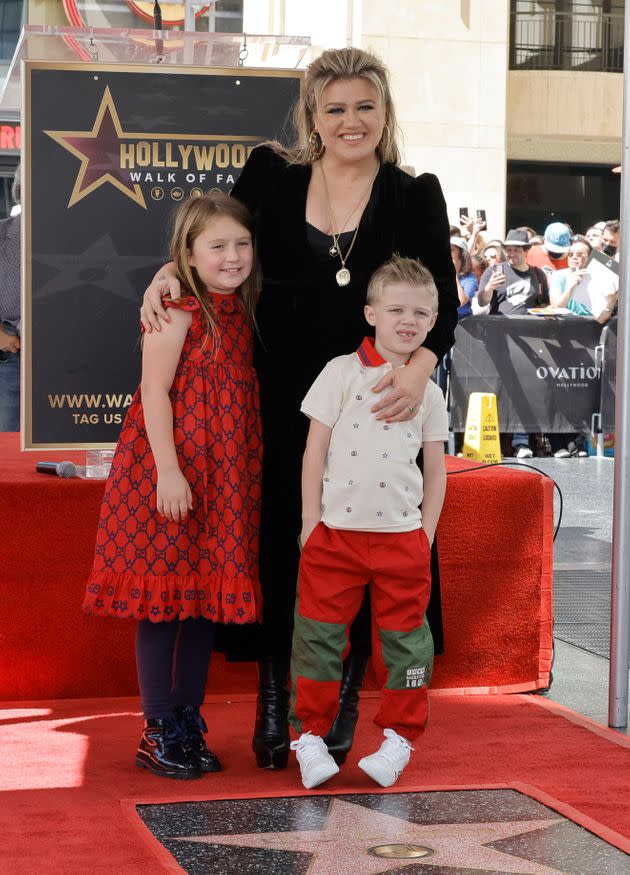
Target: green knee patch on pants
pixel 408 657
pixel 318 649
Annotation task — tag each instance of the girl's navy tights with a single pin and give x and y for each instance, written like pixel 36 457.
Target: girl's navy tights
pixel 172 661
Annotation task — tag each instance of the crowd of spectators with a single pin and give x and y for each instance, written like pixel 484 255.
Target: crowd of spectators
pixel 553 272
pixel 560 273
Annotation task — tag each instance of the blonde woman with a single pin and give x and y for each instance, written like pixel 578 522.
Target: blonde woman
pixel 329 210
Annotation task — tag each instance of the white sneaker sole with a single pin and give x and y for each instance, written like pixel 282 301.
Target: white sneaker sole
pixel 377 772
pixel 320 774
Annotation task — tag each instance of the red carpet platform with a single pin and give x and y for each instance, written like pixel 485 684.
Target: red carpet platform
pixel 69 785
pixel 495 541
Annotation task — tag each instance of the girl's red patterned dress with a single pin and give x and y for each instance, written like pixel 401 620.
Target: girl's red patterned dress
pixel 148 568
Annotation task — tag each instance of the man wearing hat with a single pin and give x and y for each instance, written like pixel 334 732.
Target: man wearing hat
pixel 513 286
pixel 552 254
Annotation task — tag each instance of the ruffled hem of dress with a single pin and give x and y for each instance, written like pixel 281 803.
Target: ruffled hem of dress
pixel 235 600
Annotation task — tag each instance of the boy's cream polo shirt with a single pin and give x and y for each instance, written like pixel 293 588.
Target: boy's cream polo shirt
pixel 371 479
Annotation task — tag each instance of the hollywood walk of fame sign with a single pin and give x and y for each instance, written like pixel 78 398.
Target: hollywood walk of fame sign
pixel 109 152
pixel 460 831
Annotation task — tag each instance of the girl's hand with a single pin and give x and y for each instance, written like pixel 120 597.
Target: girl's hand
pixel 404 400
pixel 174 498
pixel 151 312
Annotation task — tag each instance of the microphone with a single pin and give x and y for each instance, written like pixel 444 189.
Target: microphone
pixel 157 26
pixel 57 469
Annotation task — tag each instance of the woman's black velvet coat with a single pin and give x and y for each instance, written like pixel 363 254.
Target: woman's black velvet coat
pixel 305 319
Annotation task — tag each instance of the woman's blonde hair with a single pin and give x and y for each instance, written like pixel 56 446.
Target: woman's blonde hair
pixel 189 221
pixel 332 66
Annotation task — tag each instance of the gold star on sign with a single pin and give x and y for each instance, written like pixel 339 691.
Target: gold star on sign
pixel 99 153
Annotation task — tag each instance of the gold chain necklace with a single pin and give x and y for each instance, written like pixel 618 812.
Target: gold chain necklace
pixel 343 275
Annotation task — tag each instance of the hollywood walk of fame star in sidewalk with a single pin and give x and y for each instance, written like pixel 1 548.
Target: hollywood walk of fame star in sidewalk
pixel 341 847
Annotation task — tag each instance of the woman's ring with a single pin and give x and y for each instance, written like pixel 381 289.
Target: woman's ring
pixel 412 409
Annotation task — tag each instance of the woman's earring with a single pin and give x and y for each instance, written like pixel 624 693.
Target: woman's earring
pixel 316 147
pixel 385 141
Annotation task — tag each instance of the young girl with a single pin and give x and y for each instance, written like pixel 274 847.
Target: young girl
pixel 177 542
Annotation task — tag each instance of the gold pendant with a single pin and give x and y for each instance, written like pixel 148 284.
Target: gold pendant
pixel 333 251
pixel 343 276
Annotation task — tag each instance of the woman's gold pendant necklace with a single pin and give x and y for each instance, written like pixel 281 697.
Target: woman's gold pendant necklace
pixel 343 275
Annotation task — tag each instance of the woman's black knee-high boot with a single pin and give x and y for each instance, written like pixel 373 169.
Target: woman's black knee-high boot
pixel 271 732
pixel 339 739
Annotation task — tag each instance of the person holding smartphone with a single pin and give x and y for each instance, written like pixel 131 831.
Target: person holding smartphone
pixel 601 295
pixel 472 229
pixel 510 288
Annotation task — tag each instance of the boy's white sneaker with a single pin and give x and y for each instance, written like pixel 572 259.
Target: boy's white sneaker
pixel 316 764
pixel 386 765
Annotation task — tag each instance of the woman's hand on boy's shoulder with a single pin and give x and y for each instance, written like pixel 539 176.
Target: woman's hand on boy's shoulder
pixel 404 399
pixel 163 284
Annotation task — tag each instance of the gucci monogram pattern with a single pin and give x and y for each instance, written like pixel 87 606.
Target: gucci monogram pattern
pixel 148 568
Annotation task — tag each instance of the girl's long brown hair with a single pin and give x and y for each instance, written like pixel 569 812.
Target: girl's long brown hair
pixel 189 221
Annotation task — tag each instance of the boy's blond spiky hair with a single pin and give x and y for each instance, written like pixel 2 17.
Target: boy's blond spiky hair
pixel 402 270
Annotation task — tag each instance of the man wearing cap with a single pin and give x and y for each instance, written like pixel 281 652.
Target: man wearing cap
pixel 513 286
pixel 552 254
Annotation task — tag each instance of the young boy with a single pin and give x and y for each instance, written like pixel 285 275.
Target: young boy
pixel 362 525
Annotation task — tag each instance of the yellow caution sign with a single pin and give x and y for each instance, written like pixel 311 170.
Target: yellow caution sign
pixel 481 439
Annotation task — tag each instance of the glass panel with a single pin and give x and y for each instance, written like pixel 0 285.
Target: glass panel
pixel 54 44
pixel 11 16
pixel 224 16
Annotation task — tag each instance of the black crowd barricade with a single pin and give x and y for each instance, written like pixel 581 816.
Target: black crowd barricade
pixel 608 344
pixel 543 370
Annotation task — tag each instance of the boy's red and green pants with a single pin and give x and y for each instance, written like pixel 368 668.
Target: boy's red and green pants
pixel 335 567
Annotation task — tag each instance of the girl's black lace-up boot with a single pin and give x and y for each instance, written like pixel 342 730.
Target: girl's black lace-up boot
pixel 193 728
pixel 162 751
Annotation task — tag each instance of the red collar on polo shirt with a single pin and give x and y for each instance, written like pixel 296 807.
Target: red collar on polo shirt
pixel 369 356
